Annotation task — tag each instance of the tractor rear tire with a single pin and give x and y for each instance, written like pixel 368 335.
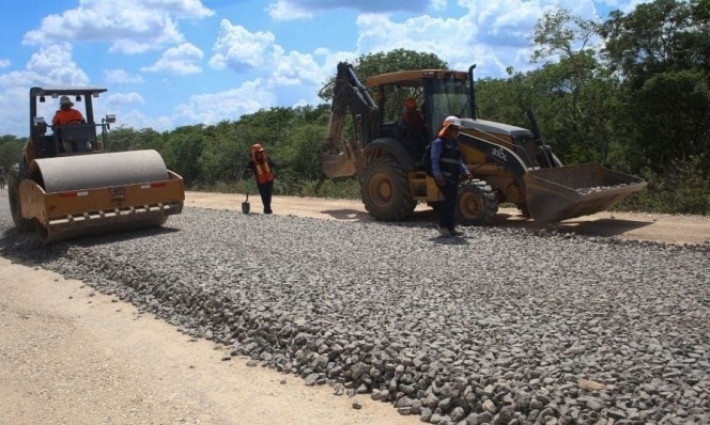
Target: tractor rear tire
pixel 14 177
pixel 385 191
pixel 477 203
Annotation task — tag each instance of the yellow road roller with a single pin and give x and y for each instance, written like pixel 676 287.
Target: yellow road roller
pixel 69 185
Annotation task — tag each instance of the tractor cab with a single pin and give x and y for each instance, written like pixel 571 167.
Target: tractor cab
pixel 436 93
pixel 74 138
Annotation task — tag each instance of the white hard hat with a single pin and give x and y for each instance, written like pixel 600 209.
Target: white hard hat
pixel 64 100
pixel 452 120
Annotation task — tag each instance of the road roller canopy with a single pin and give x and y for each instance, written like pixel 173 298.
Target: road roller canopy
pixel 79 94
pixel 56 91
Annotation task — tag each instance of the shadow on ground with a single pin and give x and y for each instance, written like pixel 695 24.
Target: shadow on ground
pixel 603 227
pixel 26 248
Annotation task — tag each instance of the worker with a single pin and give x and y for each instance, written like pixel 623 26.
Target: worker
pixel 66 114
pixel 412 118
pixel 2 177
pixel 447 168
pixel 261 166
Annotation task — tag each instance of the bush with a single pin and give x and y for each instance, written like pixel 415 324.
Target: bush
pixel 683 189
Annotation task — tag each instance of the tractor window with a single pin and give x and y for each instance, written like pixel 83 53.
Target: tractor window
pixel 394 101
pixel 449 97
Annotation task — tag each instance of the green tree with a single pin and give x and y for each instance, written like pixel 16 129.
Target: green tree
pixel 372 64
pixel 10 151
pixel 661 49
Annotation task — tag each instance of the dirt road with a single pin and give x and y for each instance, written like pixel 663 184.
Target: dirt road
pixel 69 356
pixel 651 227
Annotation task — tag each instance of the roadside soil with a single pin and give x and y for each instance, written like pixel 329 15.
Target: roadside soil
pixel 676 229
pixel 72 356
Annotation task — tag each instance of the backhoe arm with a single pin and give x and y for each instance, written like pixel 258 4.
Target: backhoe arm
pixel 345 158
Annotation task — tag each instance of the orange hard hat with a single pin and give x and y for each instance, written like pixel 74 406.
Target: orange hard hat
pixel 410 103
pixel 256 148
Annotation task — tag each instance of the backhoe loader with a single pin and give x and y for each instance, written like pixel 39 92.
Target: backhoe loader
pixel 509 164
pixel 69 185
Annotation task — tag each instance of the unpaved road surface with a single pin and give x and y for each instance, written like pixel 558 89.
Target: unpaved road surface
pixel 637 226
pixel 72 356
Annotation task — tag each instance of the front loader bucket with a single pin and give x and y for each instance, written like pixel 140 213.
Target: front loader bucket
pixel 558 194
pixel 78 196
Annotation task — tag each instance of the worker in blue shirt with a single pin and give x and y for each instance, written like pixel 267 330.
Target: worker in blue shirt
pixel 447 168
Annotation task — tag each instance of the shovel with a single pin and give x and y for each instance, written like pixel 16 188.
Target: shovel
pixel 245 204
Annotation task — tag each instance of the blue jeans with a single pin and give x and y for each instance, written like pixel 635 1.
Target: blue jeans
pixel 448 208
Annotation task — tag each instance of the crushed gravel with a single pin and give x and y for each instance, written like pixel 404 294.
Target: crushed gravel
pixel 595 189
pixel 500 327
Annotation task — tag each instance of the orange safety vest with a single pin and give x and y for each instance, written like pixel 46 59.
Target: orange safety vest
pixel 67 116
pixel 263 171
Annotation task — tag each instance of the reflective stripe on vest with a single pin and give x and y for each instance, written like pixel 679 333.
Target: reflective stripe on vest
pixel 449 159
pixel 263 171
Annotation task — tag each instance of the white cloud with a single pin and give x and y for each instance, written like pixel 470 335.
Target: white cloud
pixel 137 120
pixel 284 10
pixel 120 76
pixel 123 99
pixel 179 60
pixel 210 108
pixel 439 4
pixel 4 63
pixel 494 35
pixel 51 65
pixel 240 49
pixel 133 26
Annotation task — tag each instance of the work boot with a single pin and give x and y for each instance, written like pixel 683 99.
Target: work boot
pixel 444 232
pixel 455 232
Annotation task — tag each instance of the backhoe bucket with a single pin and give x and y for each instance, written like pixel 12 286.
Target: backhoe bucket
pixel 558 194
pixel 78 196
pixel 338 165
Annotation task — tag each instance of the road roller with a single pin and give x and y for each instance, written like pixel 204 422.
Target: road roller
pixel 69 185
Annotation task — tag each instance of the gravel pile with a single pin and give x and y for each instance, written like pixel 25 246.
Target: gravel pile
pixel 500 327
pixel 588 190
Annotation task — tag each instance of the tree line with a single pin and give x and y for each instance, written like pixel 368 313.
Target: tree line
pixel 630 92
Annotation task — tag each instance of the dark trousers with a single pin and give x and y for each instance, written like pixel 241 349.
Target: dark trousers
pixel 265 192
pixel 448 207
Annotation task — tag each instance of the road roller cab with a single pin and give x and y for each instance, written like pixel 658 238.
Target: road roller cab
pixel 69 185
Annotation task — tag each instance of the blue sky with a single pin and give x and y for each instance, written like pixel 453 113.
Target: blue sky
pixel 168 63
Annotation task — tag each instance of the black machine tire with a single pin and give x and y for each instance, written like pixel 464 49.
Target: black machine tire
pixel 477 204
pixel 14 177
pixel 384 189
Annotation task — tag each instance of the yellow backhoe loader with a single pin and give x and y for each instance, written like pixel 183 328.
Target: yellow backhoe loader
pixel 68 185
pixel 509 164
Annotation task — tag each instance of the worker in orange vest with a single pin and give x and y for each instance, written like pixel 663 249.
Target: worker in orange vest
pixel 66 114
pixel 262 167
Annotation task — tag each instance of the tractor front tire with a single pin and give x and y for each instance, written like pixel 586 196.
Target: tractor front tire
pixel 385 190
pixel 14 178
pixel 477 203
